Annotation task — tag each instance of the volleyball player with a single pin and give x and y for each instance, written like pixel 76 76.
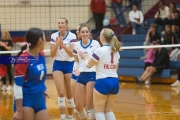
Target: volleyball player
pixel 106 60
pixel 29 82
pixel 74 77
pixel 86 78
pixel 61 48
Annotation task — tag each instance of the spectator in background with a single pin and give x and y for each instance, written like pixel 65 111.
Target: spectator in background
pixel 161 61
pixel 161 16
pixel 6 45
pixel 152 35
pixel 98 8
pixel 169 37
pixel 176 21
pixel 138 3
pixel 117 6
pixel 136 17
pixel 149 60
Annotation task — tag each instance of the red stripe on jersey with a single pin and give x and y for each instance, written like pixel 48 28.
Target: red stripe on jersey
pixel 95 56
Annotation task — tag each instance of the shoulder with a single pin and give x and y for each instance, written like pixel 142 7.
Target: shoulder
pixel 77 43
pixel 71 34
pixel 55 34
pixel 95 42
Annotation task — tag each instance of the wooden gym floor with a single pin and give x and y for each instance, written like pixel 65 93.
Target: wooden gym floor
pixel 134 102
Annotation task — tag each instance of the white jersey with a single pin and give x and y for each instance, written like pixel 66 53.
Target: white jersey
pixel 89 49
pixel 107 62
pixel 61 54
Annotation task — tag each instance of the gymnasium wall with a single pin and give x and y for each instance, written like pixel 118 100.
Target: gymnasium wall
pixel 45 13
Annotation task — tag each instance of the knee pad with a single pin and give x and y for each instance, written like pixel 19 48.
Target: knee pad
pixel 82 114
pixel 100 116
pixel 91 114
pixel 70 103
pixel 110 115
pixel 61 102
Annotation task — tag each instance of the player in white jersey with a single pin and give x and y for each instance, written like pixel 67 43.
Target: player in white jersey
pixel 74 77
pixel 61 48
pixel 87 76
pixel 106 60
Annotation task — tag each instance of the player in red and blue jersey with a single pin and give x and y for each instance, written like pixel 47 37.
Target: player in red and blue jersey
pixel 106 60
pixel 29 87
pixel 61 49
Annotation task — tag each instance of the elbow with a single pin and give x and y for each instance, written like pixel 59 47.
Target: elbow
pixel 52 56
pixel 71 55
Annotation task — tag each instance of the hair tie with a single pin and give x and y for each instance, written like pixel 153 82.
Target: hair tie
pixel 113 35
pixel 28 44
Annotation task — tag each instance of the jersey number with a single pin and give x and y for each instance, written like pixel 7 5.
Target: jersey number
pixel 112 57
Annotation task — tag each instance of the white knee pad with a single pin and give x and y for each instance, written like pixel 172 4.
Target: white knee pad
pixel 61 102
pixel 91 114
pixel 100 116
pixel 82 114
pixel 70 103
pixel 110 115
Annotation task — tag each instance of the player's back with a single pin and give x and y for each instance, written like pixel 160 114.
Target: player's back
pixel 108 62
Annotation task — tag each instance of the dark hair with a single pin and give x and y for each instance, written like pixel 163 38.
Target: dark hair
pixel 32 36
pixel 174 4
pixel 154 25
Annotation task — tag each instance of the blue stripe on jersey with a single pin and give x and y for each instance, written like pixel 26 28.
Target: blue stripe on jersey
pixel 74 51
pixel 74 40
pixel 19 80
pixel 87 45
pixel 95 56
pixel 65 36
pixel 52 40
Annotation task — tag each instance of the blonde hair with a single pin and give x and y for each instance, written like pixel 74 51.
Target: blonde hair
pixel 8 36
pixel 66 20
pixel 111 39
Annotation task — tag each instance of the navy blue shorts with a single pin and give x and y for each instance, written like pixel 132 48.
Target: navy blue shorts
pixel 64 66
pixel 86 77
pixel 35 101
pixel 74 77
pixel 107 85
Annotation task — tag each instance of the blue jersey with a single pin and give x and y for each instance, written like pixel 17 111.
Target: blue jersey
pixel 31 77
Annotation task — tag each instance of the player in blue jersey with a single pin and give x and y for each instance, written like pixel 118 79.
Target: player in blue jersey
pixel 29 81
pixel 106 60
pixel 86 78
pixel 61 48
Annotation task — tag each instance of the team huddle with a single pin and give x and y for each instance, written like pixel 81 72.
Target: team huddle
pixel 84 73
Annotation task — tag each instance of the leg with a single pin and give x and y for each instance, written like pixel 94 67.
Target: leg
pixel 89 100
pixel 149 74
pixel 73 88
pixel 146 72
pixel 42 115
pixel 69 96
pixel 99 104
pixel 58 77
pixel 96 20
pixel 108 110
pixel 122 17
pixel 133 27
pixel 79 97
pixel 9 68
pixel 28 113
pixel 101 18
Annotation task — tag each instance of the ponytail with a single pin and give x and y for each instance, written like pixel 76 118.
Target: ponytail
pixel 24 47
pixel 111 38
pixel 115 44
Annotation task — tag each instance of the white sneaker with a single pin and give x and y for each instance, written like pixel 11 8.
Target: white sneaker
pixel 9 88
pixel 148 81
pixel 177 83
pixel 134 32
pixel 3 87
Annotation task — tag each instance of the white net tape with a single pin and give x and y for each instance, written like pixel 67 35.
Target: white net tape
pixel 124 48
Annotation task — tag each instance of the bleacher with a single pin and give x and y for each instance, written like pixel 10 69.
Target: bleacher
pixel 130 62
